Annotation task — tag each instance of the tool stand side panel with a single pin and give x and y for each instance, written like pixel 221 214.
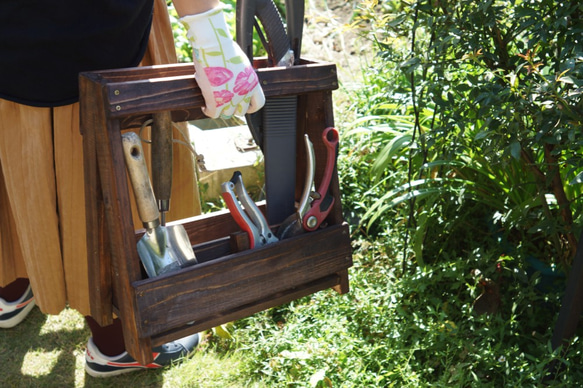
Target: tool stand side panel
pixel 317 116
pixel 99 260
pixel 114 201
pixel 125 261
pixel 315 113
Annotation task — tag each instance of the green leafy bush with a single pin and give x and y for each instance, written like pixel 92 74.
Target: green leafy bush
pixel 487 113
pixel 412 330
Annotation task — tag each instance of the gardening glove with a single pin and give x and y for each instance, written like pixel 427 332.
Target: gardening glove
pixel 228 82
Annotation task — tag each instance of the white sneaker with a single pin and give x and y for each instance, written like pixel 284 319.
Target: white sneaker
pixel 12 313
pixel 98 364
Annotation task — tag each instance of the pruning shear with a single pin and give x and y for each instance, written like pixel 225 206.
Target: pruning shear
pixel 313 207
pixel 248 216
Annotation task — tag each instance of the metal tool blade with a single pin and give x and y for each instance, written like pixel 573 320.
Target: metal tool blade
pixel 161 249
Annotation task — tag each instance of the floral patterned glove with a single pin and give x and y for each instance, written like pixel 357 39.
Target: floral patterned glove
pixel 228 82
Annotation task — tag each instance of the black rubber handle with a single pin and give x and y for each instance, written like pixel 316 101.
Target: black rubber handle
pixel 278 43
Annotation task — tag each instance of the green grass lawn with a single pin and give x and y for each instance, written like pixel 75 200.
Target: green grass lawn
pixel 49 351
pixel 416 330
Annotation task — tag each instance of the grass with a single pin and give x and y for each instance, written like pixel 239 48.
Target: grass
pixel 49 351
pixel 44 351
pixel 392 329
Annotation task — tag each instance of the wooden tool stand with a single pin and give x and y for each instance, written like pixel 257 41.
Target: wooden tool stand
pixel 227 283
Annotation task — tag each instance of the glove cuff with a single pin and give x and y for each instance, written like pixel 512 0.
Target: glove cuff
pixel 202 28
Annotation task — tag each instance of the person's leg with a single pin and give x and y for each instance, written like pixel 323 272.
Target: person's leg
pixel 106 355
pixel 109 339
pixel 11 259
pixel 16 302
pixel 14 290
pixel 15 299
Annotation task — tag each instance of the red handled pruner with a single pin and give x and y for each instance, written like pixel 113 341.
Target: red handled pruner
pixel 313 207
pixel 248 216
pixel 323 201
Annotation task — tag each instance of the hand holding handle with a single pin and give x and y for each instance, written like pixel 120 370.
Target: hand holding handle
pixel 226 78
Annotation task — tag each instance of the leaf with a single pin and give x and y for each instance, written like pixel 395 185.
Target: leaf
pixel 439 163
pixel 317 377
pixel 223 332
pixel 385 203
pixel 236 60
pixel 515 149
pixel 461 88
pixel 566 80
pixel 213 53
pixel 577 180
pixel 481 135
pixel 410 64
pixel 222 33
pixel 295 355
pixel 387 154
pixel 398 20
pixel 418 237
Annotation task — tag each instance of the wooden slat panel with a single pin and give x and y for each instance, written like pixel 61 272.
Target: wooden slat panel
pixel 151 95
pixel 125 265
pixel 207 227
pixel 204 290
pixel 244 311
pixel 140 73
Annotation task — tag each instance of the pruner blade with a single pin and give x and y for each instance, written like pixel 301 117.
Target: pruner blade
pixel 292 225
pixel 248 216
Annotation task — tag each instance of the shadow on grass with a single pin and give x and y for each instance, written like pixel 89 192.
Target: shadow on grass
pixel 45 351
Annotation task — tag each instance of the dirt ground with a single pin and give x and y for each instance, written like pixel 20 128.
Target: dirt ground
pixel 326 36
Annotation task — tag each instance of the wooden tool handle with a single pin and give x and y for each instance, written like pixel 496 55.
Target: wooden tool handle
pixel 162 158
pixel 140 179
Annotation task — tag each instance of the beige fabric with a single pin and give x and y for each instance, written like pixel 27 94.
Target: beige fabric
pixel 26 157
pixel 42 212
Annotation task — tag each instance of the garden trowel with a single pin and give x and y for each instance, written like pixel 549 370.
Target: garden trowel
pixel 162 248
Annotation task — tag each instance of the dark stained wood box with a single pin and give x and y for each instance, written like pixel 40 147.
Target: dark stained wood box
pixel 226 284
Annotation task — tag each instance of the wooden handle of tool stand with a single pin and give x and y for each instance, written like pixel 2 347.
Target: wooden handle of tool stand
pixel 140 179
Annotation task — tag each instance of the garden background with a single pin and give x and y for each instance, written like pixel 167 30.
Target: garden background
pixel 460 166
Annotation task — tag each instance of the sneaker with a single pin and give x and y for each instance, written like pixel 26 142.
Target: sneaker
pixel 99 365
pixel 12 313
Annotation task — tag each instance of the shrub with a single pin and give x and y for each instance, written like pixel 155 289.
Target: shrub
pixel 486 112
